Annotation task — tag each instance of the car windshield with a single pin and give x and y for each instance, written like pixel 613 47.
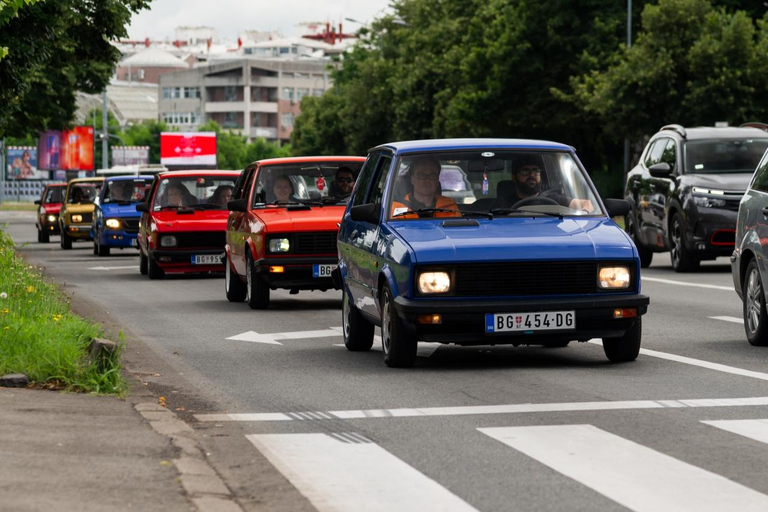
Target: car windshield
pixel 491 183
pixel 83 192
pixel 53 195
pixel 126 191
pixel 305 183
pixel 200 192
pixel 724 155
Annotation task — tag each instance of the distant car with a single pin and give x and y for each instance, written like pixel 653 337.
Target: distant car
pixel 685 191
pixel 115 219
pixel 76 214
pixel 289 244
pixel 183 222
pixel 544 269
pixel 47 220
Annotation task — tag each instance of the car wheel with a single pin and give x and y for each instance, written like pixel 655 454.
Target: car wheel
pixel 755 316
pixel 233 286
pixel 66 242
pixel 257 291
pixel 42 237
pixel 646 256
pixel 358 332
pixel 682 259
pixel 398 343
pixel 624 348
pixel 101 250
pixel 143 264
pixel 153 268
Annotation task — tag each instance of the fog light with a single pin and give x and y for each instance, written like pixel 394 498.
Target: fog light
pixel 429 319
pixel 625 313
pixel 701 247
pixel 276 270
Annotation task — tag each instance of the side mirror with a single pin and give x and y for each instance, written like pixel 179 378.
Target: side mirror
pixel 617 207
pixel 366 212
pixel 238 205
pixel 142 207
pixel 660 170
pixel 37 201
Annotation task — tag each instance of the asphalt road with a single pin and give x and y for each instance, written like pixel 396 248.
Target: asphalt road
pixel 292 418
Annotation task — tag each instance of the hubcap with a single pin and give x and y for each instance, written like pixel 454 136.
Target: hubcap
pixel 753 301
pixel 386 326
pixel 345 313
pixel 248 280
pixel 676 239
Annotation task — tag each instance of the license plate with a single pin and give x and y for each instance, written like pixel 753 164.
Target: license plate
pixel 134 242
pixel 525 322
pixel 323 270
pixel 206 259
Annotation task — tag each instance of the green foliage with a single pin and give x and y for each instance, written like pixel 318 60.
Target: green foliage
pixel 41 338
pixel 8 10
pixel 234 152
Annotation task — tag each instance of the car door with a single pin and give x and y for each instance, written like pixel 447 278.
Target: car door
pixel 658 195
pixel 752 225
pixel 237 223
pixel 145 223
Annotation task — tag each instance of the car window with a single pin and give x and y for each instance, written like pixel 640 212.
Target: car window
pixel 364 179
pixel 723 155
pixel 83 192
pixel 243 183
pixel 206 192
pixel 760 180
pixel 53 195
pixel 130 191
pixel 669 155
pixel 303 182
pixel 382 174
pixel 654 153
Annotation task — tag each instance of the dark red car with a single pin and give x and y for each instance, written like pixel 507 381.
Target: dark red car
pixel 283 225
pixel 183 222
pixel 47 222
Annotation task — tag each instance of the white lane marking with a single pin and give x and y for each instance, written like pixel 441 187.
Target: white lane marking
pixel 349 473
pixel 683 283
pixel 255 337
pixel 423 349
pixel 753 429
pixel 496 409
pixel 632 475
pixel 731 319
pixel 113 268
pixel 271 338
pixel 698 362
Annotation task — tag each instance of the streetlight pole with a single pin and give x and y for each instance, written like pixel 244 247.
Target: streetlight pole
pixel 629 45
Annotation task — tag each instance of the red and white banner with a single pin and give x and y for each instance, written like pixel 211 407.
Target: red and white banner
pixel 188 148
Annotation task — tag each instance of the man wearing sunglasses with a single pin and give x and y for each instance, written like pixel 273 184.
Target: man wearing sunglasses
pixel 343 183
pixel 424 176
pixel 527 178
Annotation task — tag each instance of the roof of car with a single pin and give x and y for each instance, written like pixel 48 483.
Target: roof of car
pixel 128 178
pixel 712 132
pixel 87 180
pixel 459 144
pixel 198 172
pixel 309 159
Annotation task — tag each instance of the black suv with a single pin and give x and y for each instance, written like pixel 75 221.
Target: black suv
pixel 685 191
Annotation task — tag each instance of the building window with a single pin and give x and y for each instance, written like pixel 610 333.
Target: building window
pixel 287 93
pixel 317 92
pixel 191 92
pixel 230 119
pixel 256 119
pixel 301 92
pixel 181 118
pixel 286 120
pixel 141 74
pixel 230 93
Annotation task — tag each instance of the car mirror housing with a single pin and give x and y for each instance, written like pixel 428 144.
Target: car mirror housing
pixel 238 205
pixel 617 207
pixel 660 170
pixel 37 201
pixel 365 212
pixel 142 207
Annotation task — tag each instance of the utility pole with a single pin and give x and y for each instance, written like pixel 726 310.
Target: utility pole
pixel 105 130
pixel 629 45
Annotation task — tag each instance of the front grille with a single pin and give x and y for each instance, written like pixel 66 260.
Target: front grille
pixel 526 278
pixel 732 204
pixel 131 225
pixel 201 239
pixel 87 218
pixel 314 243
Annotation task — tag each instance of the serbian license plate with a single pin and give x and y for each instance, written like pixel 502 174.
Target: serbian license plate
pixel 323 270
pixel 206 259
pixel 524 322
pixel 134 242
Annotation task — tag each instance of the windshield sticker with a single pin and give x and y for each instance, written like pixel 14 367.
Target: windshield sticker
pixel 398 211
pixel 698 166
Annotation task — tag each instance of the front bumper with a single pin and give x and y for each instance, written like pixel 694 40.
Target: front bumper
pixel 118 238
pixel 52 228
pixel 79 231
pixel 182 260
pixel 463 321
pixel 711 232
pixel 297 273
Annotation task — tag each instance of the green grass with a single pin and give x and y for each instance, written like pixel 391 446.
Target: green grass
pixel 15 206
pixel 41 338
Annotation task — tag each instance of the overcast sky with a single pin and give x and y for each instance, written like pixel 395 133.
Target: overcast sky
pixel 231 17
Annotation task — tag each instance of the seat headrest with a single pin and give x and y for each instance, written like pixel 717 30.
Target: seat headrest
pixel 505 188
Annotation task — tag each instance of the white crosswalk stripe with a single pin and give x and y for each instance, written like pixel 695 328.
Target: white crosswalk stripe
pixel 753 429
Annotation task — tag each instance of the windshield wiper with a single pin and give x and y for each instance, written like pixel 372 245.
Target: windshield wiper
pixel 204 206
pixel 507 211
pixel 487 215
pixel 311 203
pixel 423 212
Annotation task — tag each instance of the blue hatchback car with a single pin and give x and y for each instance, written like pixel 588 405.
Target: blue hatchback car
pixel 529 257
pixel 115 219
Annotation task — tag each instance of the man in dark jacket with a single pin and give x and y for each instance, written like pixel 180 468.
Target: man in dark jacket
pixel 343 183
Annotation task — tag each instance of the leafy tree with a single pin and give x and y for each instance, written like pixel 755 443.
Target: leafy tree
pixel 234 152
pixel 8 10
pixel 318 130
pixel 147 133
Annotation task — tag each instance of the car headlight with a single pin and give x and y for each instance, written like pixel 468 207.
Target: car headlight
pixel 614 278
pixel 704 197
pixel 434 282
pixel 279 245
pixel 77 218
pixel 168 241
pixel 112 223
pixel 51 218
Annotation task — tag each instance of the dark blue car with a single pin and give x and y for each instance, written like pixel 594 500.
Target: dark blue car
pixel 115 219
pixel 530 256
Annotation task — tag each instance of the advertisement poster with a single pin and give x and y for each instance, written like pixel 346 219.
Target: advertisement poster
pixel 130 155
pixel 22 164
pixel 68 150
pixel 49 150
pixel 194 149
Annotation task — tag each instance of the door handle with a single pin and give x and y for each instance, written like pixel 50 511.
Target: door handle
pixel 765 211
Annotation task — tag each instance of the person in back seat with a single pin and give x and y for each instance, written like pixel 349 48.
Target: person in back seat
pixel 424 175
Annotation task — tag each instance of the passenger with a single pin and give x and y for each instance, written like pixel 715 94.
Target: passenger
pixel 283 190
pixel 343 183
pixel 527 179
pixel 222 195
pixel 424 174
pixel 176 195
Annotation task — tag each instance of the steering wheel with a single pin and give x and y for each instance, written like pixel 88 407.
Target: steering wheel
pixel 535 200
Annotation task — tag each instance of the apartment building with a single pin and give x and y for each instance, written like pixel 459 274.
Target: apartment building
pixel 255 97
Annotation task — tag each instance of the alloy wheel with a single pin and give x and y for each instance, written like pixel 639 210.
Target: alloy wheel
pixel 227 275
pixel 345 313
pixel 677 239
pixel 386 326
pixel 754 301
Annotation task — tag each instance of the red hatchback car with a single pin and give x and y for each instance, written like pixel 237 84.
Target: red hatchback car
pixel 47 222
pixel 183 222
pixel 283 225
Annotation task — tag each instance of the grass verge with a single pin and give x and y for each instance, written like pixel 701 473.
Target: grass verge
pixel 17 206
pixel 41 338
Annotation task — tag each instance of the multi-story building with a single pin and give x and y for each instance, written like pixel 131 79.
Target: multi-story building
pixel 255 97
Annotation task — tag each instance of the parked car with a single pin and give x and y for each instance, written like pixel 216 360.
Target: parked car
pixel 47 220
pixel 685 191
pixel 544 269
pixel 115 219
pixel 287 243
pixel 183 222
pixel 76 213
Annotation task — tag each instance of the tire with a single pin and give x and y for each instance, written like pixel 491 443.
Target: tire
pixel 682 259
pixel 153 269
pixel 646 256
pixel 256 289
pixel 143 264
pixel 624 348
pixel 755 315
pixel 66 242
pixel 101 250
pixel 358 332
pixel 233 286
pixel 43 237
pixel 95 249
pixel 398 343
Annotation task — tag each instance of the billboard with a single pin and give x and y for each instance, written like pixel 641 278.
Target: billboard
pixel 68 150
pixel 130 155
pixel 49 150
pixel 22 164
pixel 194 149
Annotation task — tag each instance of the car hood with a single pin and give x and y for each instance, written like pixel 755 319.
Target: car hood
pixel 197 220
pixel 125 211
pixel 283 220
pixel 78 208
pixel 738 181
pixel 516 239
pixel 52 208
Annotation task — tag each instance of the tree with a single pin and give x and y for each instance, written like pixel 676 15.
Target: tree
pixel 234 152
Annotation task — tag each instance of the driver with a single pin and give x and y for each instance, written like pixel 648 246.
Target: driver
pixel 527 179
pixel 425 179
